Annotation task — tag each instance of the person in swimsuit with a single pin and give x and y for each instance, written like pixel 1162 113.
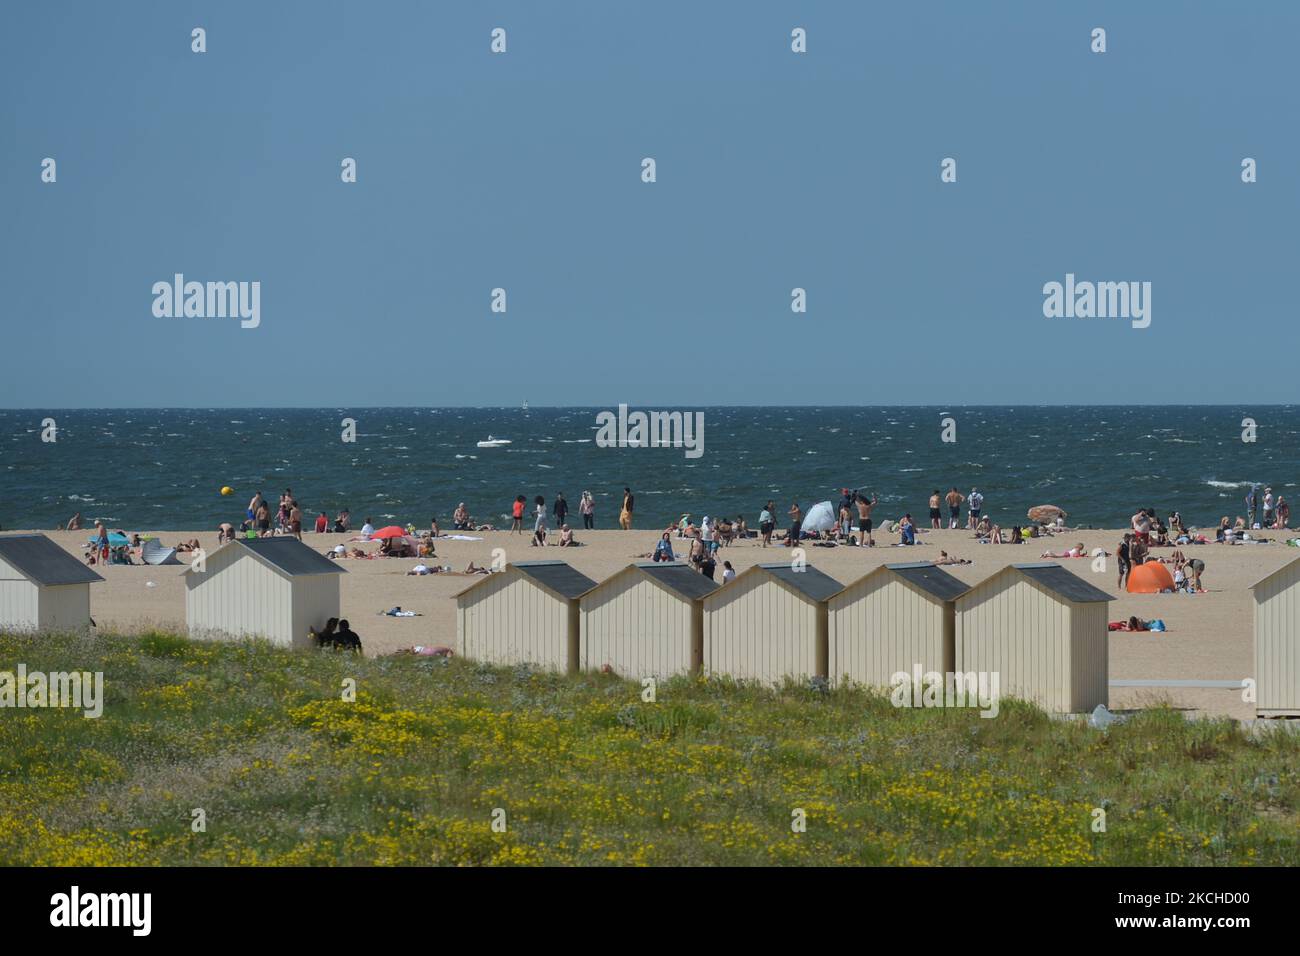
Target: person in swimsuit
pixel 864 520
pixel 936 516
pixel 954 499
pixel 796 525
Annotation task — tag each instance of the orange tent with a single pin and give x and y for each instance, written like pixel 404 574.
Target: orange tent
pixel 1150 578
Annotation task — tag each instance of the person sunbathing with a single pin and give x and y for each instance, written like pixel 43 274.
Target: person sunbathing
pixel 473 568
pixel 566 537
pixel 946 558
pixel 1078 551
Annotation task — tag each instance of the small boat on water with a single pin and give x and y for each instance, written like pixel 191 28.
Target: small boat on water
pixel 493 442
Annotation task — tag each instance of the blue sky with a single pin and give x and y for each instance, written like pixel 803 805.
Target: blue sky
pixel 522 171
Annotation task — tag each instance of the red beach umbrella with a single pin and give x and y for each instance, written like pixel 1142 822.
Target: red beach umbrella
pixel 392 531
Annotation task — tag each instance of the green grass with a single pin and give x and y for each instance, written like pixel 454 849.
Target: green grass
pixel 287 772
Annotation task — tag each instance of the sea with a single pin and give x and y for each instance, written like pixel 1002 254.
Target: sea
pixel 163 469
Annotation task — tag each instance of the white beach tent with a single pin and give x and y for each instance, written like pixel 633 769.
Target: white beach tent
pixel 820 517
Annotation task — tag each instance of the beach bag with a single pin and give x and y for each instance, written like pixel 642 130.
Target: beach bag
pixel 1156 625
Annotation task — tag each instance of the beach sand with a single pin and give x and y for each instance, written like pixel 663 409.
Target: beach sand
pixel 1209 637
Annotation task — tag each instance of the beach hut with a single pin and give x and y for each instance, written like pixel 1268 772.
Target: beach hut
pixel 526 614
pixel 1042 630
pixel 42 587
pixel 646 621
pixel 1277 642
pixel 769 623
pixel 891 620
pixel 276 588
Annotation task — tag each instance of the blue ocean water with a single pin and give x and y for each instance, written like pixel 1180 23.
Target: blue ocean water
pixel 159 469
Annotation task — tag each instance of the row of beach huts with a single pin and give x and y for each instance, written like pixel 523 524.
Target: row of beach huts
pixel 1040 627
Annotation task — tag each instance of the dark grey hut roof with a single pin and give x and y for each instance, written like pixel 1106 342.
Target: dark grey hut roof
pixel 679 578
pixel 813 583
pixel 291 556
pixel 43 562
pixel 1065 583
pixel 930 579
pixel 557 576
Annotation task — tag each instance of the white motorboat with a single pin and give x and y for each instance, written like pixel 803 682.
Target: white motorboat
pixel 493 442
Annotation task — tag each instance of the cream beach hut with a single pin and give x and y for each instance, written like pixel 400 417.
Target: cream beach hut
pixel 646 621
pixel 42 587
pixel 1277 642
pixel 768 624
pixel 1042 629
pixel 275 588
pixel 891 620
pixel 526 614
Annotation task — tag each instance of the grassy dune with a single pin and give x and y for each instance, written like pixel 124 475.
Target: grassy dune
pixel 287 772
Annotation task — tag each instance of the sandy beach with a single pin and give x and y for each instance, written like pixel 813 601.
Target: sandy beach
pixel 1209 635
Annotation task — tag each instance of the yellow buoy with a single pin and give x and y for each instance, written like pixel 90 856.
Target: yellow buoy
pixel 227 490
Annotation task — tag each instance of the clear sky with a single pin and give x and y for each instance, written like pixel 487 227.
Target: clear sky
pixel 523 171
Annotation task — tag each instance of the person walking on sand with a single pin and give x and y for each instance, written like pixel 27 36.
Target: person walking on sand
pixel 954 499
pixel 587 508
pixel 864 520
pixel 517 514
pixel 561 509
pixel 974 508
pixel 101 542
pixel 936 516
pixel 796 525
pixel 625 515
pixel 539 515
pixel 766 523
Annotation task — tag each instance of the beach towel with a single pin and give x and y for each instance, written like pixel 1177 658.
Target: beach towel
pixel 459 537
pixel 398 612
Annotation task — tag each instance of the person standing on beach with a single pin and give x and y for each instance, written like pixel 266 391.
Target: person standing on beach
pixel 263 521
pixel 561 509
pixel 1252 498
pixel 1268 508
pixel 796 525
pixel 864 520
pixel 254 503
pixel 295 520
pixel 101 542
pixel 954 499
pixel 517 514
pixel 625 516
pixel 974 507
pixel 766 523
pixel 322 523
pixel 587 508
pixel 1123 555
pixel 539 517
pixel 936 516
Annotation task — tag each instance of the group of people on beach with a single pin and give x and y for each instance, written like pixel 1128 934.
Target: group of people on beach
pixel 560 510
